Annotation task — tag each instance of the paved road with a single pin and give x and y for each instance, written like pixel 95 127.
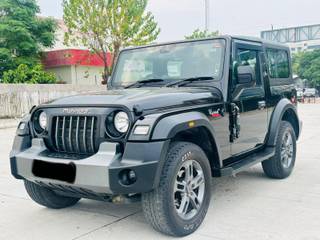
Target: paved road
pixel 248 206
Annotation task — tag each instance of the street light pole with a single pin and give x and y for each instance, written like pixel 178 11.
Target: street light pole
pixel 207 14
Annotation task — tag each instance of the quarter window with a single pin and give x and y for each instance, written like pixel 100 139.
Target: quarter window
pixel 278 63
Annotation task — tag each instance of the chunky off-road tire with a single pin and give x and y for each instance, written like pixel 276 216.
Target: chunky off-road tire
pixel 160 206
pixel 47 197
pixel 281 165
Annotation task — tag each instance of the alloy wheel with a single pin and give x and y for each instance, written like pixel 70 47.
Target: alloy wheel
pixel 287 150
pixel 189 189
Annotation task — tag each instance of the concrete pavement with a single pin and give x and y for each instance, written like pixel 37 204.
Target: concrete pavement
pixel 8 123
pixel 248 206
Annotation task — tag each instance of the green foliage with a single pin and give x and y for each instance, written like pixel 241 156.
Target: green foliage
pixel 108 25
pixel 198 34
pixel 307 66
pixel 23 34
pixel 24 74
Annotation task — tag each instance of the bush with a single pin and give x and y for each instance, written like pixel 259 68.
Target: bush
pixel 24 74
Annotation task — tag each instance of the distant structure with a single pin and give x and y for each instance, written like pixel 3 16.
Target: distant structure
pixel 72 64
pixel 302 38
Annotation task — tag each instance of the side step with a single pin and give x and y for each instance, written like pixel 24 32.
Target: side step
pixel 245 163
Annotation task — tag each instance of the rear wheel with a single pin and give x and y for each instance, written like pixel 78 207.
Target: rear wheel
pixel 48 198
pixel 178 206
pixel 282 163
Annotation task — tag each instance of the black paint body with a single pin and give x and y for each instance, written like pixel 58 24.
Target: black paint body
pixel 200 112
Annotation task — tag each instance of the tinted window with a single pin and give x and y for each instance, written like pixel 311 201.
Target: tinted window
pixel 278 63
pixel 249 58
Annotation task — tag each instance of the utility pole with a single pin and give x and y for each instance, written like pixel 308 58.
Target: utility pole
pixel 207 14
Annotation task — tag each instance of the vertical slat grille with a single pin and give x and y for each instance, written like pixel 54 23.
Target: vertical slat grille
pixel 74 134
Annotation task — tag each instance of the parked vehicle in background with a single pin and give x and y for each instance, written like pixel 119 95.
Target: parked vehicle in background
pixel 175 115
pixel 311 92
pixel 299 94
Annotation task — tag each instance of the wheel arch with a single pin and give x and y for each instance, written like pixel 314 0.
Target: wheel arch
pixel 201 137
pixel 284 111
pixel 193 127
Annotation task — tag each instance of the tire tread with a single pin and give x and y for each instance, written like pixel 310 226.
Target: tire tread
pixel 273 167
pixel 153 203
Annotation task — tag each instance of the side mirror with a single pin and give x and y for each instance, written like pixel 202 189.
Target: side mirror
pixel 246 75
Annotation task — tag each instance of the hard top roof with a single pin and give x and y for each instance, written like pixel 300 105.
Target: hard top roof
pixel 242 38
pixel 260 40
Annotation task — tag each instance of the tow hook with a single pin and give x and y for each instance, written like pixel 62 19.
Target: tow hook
pixel 126 199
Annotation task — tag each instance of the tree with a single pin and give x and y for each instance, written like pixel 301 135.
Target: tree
pixel 307 66
pixel 108 25
pixel 25 74
pixel 198 34
pixel 22 34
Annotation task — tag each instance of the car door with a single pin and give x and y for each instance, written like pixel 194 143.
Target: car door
pixel 249 98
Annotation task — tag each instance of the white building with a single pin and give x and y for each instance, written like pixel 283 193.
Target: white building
pixel 72 64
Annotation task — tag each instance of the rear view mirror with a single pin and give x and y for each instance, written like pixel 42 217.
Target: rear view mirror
pixel 246 75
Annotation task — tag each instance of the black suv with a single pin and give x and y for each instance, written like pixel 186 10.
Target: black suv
pixel 174 116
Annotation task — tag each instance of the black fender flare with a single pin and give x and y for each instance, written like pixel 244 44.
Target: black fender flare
pixel 168 127
pixel 281 108
pixel 164 127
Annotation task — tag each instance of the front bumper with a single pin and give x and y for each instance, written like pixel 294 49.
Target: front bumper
pixel 98 173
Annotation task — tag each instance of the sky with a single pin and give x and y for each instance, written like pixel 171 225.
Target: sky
pixel 178 18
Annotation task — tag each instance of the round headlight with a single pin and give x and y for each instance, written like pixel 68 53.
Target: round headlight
pixel 43 120
pixel 121 122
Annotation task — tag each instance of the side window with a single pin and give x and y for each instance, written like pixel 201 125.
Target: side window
pixel 249 59
pixel 246 57
pixel 278 63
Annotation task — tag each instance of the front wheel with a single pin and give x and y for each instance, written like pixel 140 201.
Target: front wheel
pixel 281 165
pixel 178 206
pixel 48 198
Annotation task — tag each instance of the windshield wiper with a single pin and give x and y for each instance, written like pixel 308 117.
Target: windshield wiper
pixel 188 80
pixel 142 82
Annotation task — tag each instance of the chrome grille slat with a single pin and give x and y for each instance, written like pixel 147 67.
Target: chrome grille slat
pixel 77 134
pixel 74 134
pixel 92 135
pixel 63 133
pixel 84 134
pixel 57 134
pixel 70 135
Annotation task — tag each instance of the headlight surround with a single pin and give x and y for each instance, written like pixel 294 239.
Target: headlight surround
pixel 40 122
pixel 121 122
pixel 117 124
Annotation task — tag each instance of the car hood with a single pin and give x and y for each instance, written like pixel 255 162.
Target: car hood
pixel 145 98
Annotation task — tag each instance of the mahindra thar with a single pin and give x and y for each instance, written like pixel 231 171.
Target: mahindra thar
pixel 174 116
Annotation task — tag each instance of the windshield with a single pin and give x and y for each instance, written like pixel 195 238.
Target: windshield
pixel 170 62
